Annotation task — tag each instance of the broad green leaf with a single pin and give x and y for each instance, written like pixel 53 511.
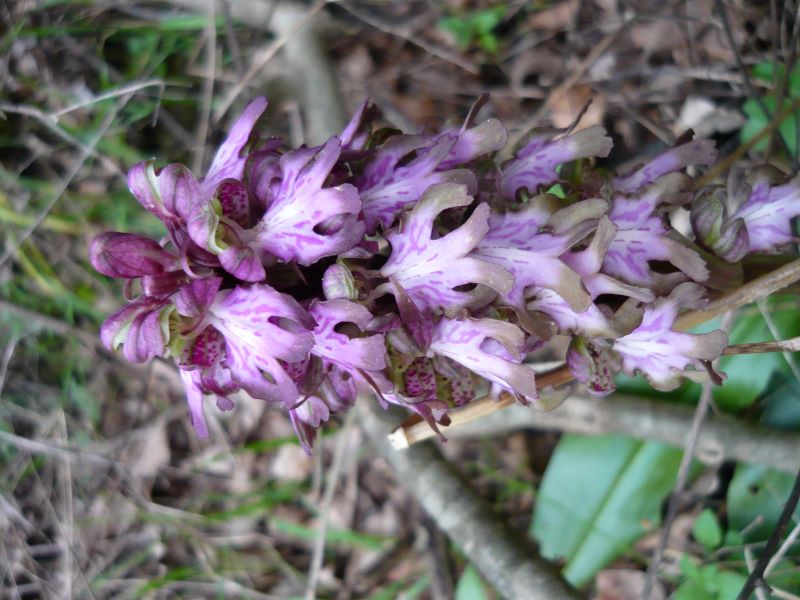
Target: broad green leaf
pixel 470 586
pixel 756 495
pixel 693 589
pixel 598 496
pixel 729 584
pixel 756 121
pixel 707 530
pixel 461 30
pixel 711 585
pixel 782 403
pixel 484 21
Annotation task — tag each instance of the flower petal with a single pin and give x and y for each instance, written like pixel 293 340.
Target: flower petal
pixel 535 164
pixel 386 188
pixel 661 354
pixel 768 214
pixel 294 226
pixel 429 269
pixel 696 152
pixel 229 162
pixel 195 398
pixel 139 327
pixel 368 353
pixel 490 348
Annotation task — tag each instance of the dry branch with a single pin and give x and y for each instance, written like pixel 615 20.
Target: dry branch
pixel 510 562
pixel 724 437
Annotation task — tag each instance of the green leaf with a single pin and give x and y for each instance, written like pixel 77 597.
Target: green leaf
pixel 729 584
pixel 707 530
pixel 782 404
pixel 598 496
pixel 709 583
pixel 484 21
pixel 756 495
pixel 692 589
pixel 768 71
pixel 460 29
pixel 757 120
pixel 470 586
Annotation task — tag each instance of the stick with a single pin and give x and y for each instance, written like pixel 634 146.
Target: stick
pixel 724 437
pixel 509 562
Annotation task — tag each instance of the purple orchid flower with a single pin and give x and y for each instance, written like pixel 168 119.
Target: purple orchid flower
pixel 662 354
pixel 535 163
pixel 414 268
pixel 754 216
pixel 429 270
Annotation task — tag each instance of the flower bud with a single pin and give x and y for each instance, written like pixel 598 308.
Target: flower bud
pixel 338 282
pixel 127 256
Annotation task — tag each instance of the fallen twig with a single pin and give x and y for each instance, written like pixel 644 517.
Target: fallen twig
pixel 509 562
pixel 724 437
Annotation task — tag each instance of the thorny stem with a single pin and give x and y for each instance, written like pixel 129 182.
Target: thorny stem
pixel 414 429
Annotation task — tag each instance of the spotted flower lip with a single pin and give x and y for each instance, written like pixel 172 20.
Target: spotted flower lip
pixel 490 348
pixel 418 269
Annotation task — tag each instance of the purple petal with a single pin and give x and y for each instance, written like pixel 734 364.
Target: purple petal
pixel 265 320
pixel 485 138
pixel 195 398
pixel 230 159
pixel 428 269
pixel 307 418
pixel 297 223
pixel 535 164
pixel 696 152
pixel 368 353
pixel 262 327
pixel 168 194
pixel 664 355
pixel 193 300
pixel 768 214
pixel 137 326
pixel 243 263
pixel 386 188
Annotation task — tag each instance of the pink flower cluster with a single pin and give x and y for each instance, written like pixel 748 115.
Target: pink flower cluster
pixel 416 267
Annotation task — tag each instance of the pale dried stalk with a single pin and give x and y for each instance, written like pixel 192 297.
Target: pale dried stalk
pixel 414 430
